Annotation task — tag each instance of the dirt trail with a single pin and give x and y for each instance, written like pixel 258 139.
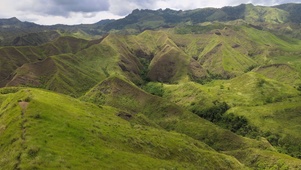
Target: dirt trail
pixel 23 105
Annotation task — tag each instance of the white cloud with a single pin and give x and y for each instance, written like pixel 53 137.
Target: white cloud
pixel 73 18
pixel 124 7
pixel 62 7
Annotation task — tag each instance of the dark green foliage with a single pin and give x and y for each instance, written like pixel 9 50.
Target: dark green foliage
pixel 299 87
pixel 272 138
pixel 214 113
pixel 281 142
pixel 294 11
pixel 234 13
pixel 217 76
pixel 8 90
pixel 27 99
pixel 145 60
pixel 250 68
pixel 239 125
pixel 211 77
pixel 203 80
pixel 201 15
pixel 154 88
pixel 261 83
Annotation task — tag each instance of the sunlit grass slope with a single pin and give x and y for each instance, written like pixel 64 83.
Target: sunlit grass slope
pixel 279 123
pixel 143 108
pixel 271 108
pixel 44 130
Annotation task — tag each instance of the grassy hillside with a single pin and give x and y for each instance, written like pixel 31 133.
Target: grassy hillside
pixel 14 57
pixel 287 75
pixel 250 105
pixel 136 103
pixel 278 122
pixel 209 89
pixel 51 131
pixel 163 56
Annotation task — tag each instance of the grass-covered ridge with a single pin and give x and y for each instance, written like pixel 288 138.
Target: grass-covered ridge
pixel 250 105
pixel 47 129
pixel 162 56
pixel 143 108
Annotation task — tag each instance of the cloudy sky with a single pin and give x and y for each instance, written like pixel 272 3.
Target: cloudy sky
pixel 48 12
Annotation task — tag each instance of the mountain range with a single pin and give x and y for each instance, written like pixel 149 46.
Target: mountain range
pixel 199 89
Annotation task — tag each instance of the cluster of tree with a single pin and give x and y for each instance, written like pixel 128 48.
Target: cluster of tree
pixel 154 88
pixel 237 124
pixel 285 143
pixel 214 113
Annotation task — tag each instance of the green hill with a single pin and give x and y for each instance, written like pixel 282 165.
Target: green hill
pixel 250 105
pixel 163 56
pixel 148 110
pixel 212 88
pixel 41 129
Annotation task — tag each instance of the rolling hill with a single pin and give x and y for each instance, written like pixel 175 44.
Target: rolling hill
pixel 198 89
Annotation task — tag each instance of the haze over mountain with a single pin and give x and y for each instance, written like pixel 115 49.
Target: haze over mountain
pixel 210 88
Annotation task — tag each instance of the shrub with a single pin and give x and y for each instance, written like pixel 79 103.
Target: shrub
pixel 154 88
pixel 214 113
pixel 27 99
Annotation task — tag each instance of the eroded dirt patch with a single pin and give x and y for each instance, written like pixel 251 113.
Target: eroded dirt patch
pixel 23 105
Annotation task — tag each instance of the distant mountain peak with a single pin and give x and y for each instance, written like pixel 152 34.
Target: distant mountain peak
pixel 14 19
pixel 10 21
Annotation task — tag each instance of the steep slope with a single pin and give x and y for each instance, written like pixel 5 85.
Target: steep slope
pixel 278 122
pixel 61 73
pixel 223 52
pixel 162 56
pixel 258 106
pixel 34 39
pixel 52 66
pixel 252 89
pixel 281 72
pixel 151 55
pixel 121 94
pixel 228 51
pixel 41 129
pixel 12 58
pixel 265 14
pixel 293 9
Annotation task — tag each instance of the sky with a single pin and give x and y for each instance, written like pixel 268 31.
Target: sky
pixel 70 12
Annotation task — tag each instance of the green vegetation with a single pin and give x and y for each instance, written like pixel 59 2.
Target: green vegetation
pixel 154 88
pixel 171 117
pixel 62 129
pixel 199 89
